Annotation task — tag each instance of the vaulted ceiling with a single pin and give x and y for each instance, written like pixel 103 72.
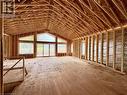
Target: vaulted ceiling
pixel 67 18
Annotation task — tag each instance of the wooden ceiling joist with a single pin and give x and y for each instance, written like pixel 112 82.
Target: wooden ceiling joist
pixel 76 18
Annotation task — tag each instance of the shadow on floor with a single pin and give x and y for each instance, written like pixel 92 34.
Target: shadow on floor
pixel 8 87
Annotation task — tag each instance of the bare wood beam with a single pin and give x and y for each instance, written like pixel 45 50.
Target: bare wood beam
pixel 1 54
pixel 35 44
pixel 86 47
pixel 101 48
pixel 122 55
pixel 118 23
pixel 110 7
pixel 86 23
pixel 94 13
pixel 114 49
pixel 123 13
pixel 107 51
pixel 57 13
pixel 93 38
pixel 96 48
pixel 109 30
pixel 83 14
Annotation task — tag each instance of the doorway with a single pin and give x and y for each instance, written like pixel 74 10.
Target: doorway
pixel 45 50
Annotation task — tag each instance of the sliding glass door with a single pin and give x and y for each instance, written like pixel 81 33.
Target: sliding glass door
pixel 40 50
pixel 45 49
pixel 52 50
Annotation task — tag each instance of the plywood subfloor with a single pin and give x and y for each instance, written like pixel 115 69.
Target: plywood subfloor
pixel 13 75
pixel 70 76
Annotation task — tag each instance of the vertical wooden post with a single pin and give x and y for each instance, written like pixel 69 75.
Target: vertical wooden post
pixel 86 50
pixel 92 48
pixel 1 53
pixel 81 48
pixel 89 48
pixel 35 44
pixel 122 61
pixel 23 68
pixel 80 54
pixel 49 49
pixel 69 44
pixel 78 49
pixel 73 48
pixel 96 48
pixel 107 51
pixel 43 49
pixel 56 50
pixel 114 49
pixel 101 48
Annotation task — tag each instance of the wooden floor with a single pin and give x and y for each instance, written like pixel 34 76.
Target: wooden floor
pixel 70 76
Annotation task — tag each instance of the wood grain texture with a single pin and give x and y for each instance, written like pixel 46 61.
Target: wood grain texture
pixel 69 76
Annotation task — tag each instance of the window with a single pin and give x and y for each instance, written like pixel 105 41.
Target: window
pixel 72 48
pixel 61 40
pixel 52 49
pixel 46 37
pixel 25 48
pixel 62 45
pixel 40 49
pixel 27 38
pixel 62 48
pixel 45 49
pixel 45 45
pixel 83 48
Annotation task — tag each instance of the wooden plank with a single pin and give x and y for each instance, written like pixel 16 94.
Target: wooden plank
pixel 114 49
pixel 122 54
pixel 73 48
pixel 89 47
pixel 101 48
pixel 1 54
pixel 56 48
pixel 70 79
pixel 93 48
pixel 107 51
pixel 23 68
pixel 86 46
pixel 35 44
pixel 6 69
pixel 96 48
pixel 79 48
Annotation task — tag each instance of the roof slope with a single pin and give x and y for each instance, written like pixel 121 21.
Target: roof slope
pixel 68 18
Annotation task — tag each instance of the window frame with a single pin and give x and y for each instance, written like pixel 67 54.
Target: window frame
pixel 44 41
pixel 58 47
pixel 35 42
pixel 26 41
pixel 25 53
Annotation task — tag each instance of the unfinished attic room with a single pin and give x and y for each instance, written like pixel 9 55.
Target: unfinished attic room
pixel 63 47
